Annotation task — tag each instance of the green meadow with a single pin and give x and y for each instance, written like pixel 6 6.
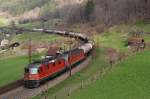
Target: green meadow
pixel 11 69
pixel 128 80
pixel 3 21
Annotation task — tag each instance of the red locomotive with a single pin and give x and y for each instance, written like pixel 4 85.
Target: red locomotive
pixel 47 68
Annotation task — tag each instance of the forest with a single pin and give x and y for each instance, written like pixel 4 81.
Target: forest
pixel 106 12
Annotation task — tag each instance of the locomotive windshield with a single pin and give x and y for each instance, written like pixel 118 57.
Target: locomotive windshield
pixel 33 70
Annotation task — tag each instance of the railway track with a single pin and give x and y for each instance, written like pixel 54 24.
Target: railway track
pixel 16 90
pixel 11 86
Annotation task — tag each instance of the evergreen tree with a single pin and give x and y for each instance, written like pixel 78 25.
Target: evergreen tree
pixel 89 8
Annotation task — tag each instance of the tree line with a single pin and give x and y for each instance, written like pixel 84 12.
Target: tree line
pixel 103 11
pixel 107 12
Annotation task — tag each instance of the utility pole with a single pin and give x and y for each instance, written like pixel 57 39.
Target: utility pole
pixel 29 50
pixel 70 64
pixel 64 47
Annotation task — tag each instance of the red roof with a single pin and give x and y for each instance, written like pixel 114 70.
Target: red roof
pixel 52 51
pixel 136 40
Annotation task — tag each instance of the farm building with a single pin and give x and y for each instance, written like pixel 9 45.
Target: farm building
pixel 4 42
pixel 138 42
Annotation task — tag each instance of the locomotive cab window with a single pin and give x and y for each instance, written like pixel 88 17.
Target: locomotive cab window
pixel 39 70
pixel 33 70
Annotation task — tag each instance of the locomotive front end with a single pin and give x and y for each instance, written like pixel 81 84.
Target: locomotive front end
pixel 31 76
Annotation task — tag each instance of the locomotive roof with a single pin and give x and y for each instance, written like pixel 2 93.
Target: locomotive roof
pixel 135 39
pixel 37 63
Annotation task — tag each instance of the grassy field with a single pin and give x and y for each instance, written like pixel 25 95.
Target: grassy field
pixel 144 26
pixel 12 69
pixel 129 80
pixel 116 36
pixel 36 37
pixel 30 25
pixel 4 21
pixel 113 38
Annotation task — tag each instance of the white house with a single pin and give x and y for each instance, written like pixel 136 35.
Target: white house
pixel 4 42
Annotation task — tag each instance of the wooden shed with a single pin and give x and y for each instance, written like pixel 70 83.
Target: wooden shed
pixel 136 41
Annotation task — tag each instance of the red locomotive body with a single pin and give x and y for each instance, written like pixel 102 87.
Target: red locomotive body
pixel 76 56
pixel 43 70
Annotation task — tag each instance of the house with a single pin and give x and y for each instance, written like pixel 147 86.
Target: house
pixel 4 43
pixel 136 42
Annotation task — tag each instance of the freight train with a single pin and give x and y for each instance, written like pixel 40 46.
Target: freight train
pixel 40 71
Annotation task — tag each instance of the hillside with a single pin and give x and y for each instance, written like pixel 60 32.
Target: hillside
pixel 26 7
pixel 114 37
pixel 106 12
pixel 20 6
pixel 129 80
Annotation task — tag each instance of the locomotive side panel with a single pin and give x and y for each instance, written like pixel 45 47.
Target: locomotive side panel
pixel 51 68
pixel 76 56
